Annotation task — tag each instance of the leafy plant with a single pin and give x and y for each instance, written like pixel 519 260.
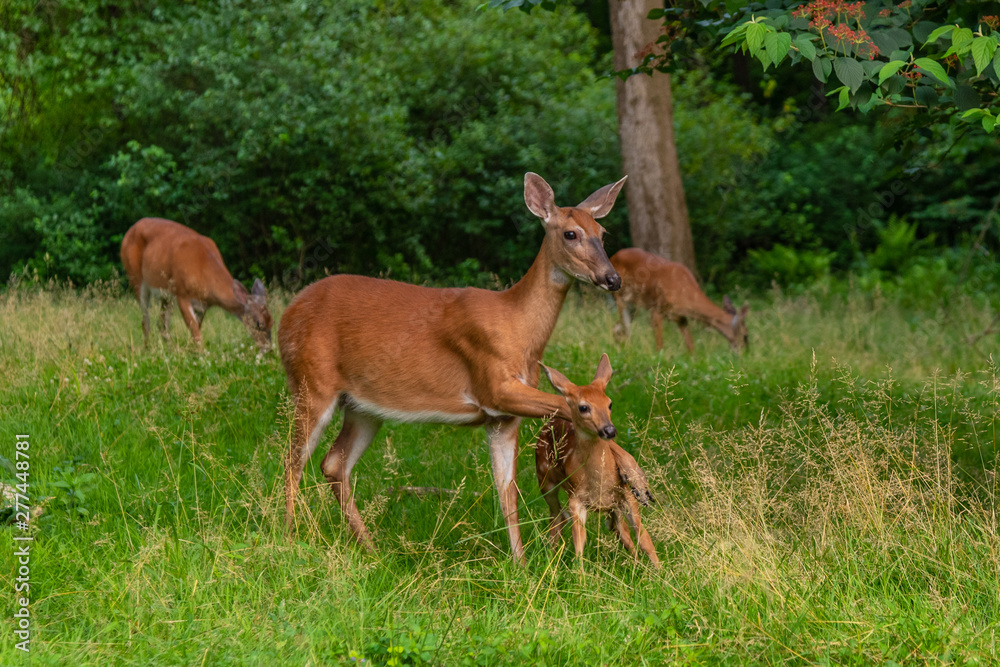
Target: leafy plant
pixel 69 487
pixel 898 245
pixel 788 266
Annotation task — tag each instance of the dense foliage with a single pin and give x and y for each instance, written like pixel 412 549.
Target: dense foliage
pixel 391 138
pixel 299 135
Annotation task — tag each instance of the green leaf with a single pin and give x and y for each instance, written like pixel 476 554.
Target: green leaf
pixel 902 38
pixel 844 98
pixel 989 122
pixel 805 47
pixel 777 44
pixel 922 30
pixel 736 34
pixel 974 113
pixel 894 85
pixel 755 36
pixel 926 95
pixel 655 14
pixel 966 97
pixel 888 70
pixel 936 35
pixel 960 38
pixel 934 69
pixel 850 72
pixel 822 68
pixel 983 49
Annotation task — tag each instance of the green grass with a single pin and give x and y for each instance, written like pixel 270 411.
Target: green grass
pixel 828 498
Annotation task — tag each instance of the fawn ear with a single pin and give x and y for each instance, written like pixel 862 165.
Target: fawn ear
pixel 744 310
pixel 559 381
pixel 599 204
pixel 539 196
pixel 240 292
pixel 603 374
pixel 258 290
pixel 728 306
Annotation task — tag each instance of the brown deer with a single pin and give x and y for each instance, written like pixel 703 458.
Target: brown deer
pixel 380 349
pixel 164 258
pixel 581 457
pixel 669 289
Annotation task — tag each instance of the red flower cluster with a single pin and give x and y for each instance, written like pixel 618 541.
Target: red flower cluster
pixel 992 21
pixel 885 13
pixel 859 39
pixel 830 10
pixel 832 15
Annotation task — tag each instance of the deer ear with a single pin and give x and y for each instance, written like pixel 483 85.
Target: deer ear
pixel 258 290
pixel 728 306
pixel 559 381
pixel 240 292
pixel 604 371
pixel 599 204
pixel 744 310
pixel 539 196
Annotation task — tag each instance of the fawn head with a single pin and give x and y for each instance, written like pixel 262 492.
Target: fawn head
pixel 573 234
pixel 590 406
pixel 256 317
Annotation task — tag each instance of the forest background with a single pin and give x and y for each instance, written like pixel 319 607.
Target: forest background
pixel 391 139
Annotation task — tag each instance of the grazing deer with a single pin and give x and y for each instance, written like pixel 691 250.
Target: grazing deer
pixel 669 289
pixel 163 258
pixel 381 349
pixel 581 457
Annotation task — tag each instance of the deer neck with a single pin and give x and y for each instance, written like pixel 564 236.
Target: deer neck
pixel 220 292
pixel 537 299
pixel 716 317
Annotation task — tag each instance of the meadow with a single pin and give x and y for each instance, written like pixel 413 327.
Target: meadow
pixel 830 497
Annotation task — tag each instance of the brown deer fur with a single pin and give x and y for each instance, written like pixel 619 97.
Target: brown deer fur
pixel 381 350
pixel 581 457
pixel 163 258
pixel 669 289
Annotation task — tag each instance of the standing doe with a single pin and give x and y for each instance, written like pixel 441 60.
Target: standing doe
pixel 581 457
pixel 163 258
pixel 669 289
pixel 381 350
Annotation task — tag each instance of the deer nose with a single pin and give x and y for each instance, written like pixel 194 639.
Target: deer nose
pixel 608 432
pixel 613 281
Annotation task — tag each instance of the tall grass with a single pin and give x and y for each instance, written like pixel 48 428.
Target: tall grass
pixel 828 498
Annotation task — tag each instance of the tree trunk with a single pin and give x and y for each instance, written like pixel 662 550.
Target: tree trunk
pixel 658 216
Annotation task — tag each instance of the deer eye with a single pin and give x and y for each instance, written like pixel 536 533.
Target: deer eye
pixel 610 403
pixel 584 409
pixel 569 235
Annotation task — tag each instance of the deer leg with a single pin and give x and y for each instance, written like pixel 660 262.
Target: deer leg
pixel 312 415
pixel 355 436
pixel 618 524
pixel 558 517
pixel 682 324
pixel 645 542
pixel 199 311
pixel 165 312
pixel 503 452
pixel 187 312
pixel 624 328
pixel 657 319
pixel 144 294
pixel 578 515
